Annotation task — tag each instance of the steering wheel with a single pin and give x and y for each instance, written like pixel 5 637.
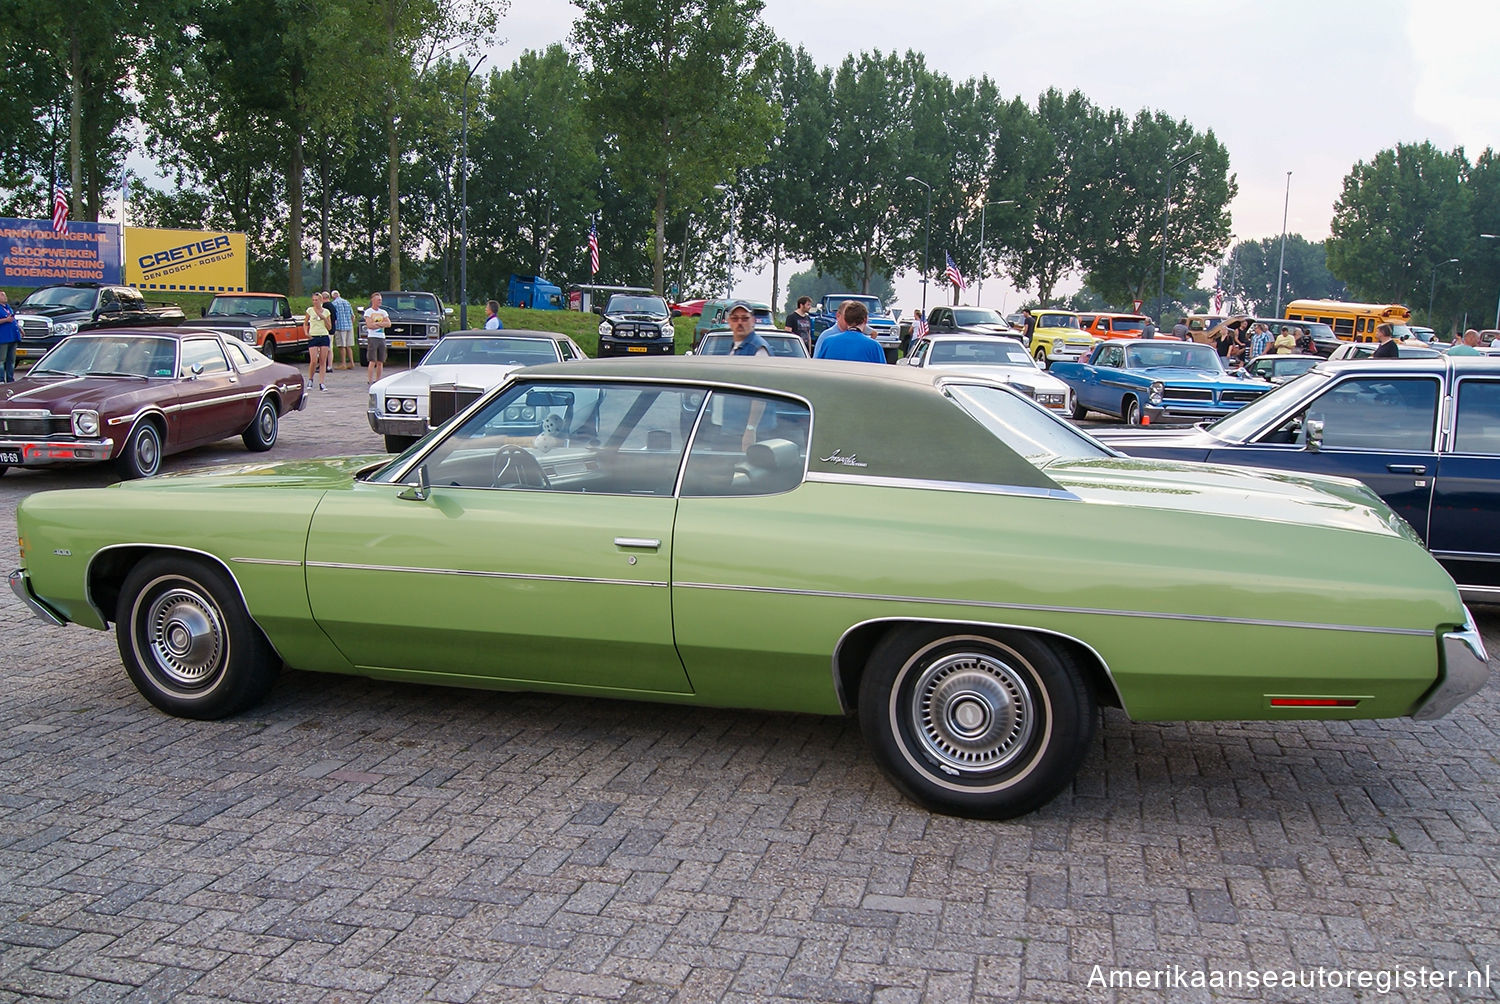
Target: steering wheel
pixel 517 468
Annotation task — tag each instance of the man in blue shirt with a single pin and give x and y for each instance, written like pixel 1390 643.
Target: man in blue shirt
pixel 343 331
pixel 10 334
pixel 845 340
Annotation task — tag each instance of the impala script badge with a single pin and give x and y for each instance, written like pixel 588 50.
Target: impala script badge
pixel 837 458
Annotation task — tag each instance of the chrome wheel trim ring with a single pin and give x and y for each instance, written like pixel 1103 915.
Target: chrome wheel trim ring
pixel 972 713
pixel 265 425
pixel 186 636
pixel 147 450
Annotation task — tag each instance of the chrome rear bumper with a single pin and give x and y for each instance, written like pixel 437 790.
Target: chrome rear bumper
pixel 1466 669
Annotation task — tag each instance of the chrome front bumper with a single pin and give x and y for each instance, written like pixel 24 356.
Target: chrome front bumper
pixel 1466 669
pixel 396 425
pixel 20 584
pixel 43 452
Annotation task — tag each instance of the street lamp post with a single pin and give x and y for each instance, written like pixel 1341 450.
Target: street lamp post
pixel 1494 237
pixel 1432 293
pixel 729 191
pixel 979 293
pixel 1281 268
pixel 926 239
pixel 463 232
pixel 1166 210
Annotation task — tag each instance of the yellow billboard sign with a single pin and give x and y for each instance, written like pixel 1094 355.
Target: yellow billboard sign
pixel 209 261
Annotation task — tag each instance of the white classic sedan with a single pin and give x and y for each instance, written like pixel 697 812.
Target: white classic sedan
pixel 404 407
pixel 992 357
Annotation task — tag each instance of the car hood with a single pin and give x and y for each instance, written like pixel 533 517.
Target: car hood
pixel 987 329
pixel 53 311
pixel 1018 375
pixel 330 472
pixel 1230 492
pixel 638 317
pixel 418 380
pixel 1128 440
pixel 1177 374
pixel 63 393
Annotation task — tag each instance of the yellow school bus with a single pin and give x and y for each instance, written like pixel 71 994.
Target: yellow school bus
pixel 1353 322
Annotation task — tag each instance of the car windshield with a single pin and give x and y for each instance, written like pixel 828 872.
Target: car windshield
pixel 61 296
pixel 978 352
pixel 1057 320
pixel 976 315
pixel 424 303
pixel 1181 354
pixel 492 352
pixel 785 346
pixel 872 304
pixel 1127 324
pixel 242 306
pixel 112 355
pixel 1022 425
pixel 653 305
pixel 1287 366
pixel 1400 331
pixel 1241 424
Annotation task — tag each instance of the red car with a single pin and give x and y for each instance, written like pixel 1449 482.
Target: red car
pixel 688 308
pixel 133 396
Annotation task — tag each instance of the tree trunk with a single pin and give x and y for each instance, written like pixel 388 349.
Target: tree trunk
pixel 294 216
pixel 658 275
pixel 75 122
pixel 323 214
pixel 775 272
pixel 394 154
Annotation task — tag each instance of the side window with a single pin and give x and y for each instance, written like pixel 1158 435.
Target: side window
pixel 238 354
pixel 1369 413
pixel 205 352
pixel 1477 429
pixel 1343 326
pixel 720 464
pixel 565 350
pixel 614 439
pixel 1113 356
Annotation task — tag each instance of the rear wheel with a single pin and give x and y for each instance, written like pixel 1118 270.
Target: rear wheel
pixel 973 724
pixel 1132 411
pixel 187 642
pixel 141 457
pixel 260 436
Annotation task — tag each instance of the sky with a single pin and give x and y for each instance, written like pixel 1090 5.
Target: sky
pixel 1306 86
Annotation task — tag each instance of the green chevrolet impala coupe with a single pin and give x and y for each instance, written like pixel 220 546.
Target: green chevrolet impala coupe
pixel 935 553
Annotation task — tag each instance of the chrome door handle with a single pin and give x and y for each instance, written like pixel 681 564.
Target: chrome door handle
pixel 1406 468
pixel 648 543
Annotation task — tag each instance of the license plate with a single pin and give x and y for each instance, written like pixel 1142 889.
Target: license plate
pixel 398 345
pixel 20 353
pixel 10 457
pixel 635 348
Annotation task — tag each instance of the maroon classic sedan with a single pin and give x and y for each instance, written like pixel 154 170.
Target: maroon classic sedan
pixel 135 395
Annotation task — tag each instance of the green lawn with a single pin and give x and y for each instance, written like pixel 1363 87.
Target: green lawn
pixel 582 328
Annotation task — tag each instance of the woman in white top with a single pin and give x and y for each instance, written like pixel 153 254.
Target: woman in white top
pixel 319 343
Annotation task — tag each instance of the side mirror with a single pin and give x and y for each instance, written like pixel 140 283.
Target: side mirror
pixel 448 311
pixel 196 370
pixel 202 311
pixel 1314 435
pixel 419 491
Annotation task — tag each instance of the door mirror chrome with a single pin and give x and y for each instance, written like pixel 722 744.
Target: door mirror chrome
pixel 1314 435
pixel 419 491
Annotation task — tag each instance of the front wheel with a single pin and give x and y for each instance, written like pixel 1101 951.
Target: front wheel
pixel 187 642
pixel 1132 411
pixel 975 725
pixel 260 435
pixel 141 457
pixel 1079 412
pixel 364 356
pixel 1041 356
pixel 268 349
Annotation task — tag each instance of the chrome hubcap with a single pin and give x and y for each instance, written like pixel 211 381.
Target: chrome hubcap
pixel 147 452
pixel 267 424
pixel 186 636
pixel 972 712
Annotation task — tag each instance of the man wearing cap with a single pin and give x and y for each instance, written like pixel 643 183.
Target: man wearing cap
pixel 850 343
pixel 742 326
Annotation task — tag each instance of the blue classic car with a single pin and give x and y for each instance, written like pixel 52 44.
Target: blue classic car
pixel 1145 381
pixel 1423 433
pixel 881 326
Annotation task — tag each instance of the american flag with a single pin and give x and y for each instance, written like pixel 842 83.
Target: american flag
pixel 593 249
pixel 60 212
pixel 918 327
pixel 952 274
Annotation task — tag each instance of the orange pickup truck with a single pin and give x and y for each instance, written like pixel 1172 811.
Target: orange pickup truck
pixel 264 320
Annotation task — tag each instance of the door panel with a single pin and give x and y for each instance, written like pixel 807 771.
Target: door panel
pixel 529 586
pixel 1465 531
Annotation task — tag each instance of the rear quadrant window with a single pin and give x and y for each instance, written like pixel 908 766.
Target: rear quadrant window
pixel 747 444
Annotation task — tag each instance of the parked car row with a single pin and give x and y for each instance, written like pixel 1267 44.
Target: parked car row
pixel 922 547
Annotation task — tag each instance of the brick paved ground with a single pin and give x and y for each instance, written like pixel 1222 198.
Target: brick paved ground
pixel 352 840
